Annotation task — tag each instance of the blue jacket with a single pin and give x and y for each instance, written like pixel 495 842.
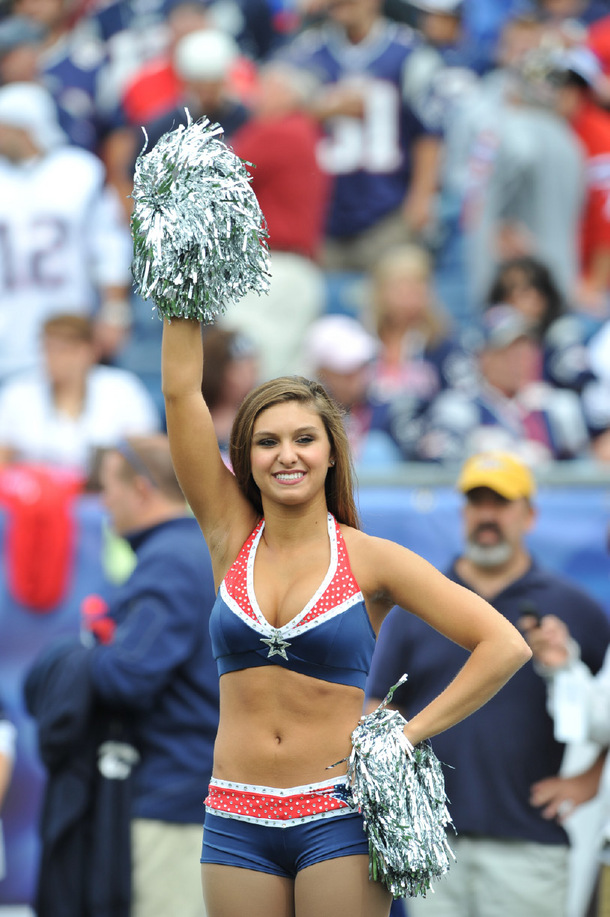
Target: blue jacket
pixel 160 667
pixel 494 755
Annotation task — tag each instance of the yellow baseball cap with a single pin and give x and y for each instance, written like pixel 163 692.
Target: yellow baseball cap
pixel 501 472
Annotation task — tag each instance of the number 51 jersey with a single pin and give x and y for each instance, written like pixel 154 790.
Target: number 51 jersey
pixel 370 157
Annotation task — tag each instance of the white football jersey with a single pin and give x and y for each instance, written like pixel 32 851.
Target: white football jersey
pixel 62 237
pixel 116 405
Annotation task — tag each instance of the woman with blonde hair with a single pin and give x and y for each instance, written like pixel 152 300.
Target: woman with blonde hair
pixel 302 593
pixel 419 352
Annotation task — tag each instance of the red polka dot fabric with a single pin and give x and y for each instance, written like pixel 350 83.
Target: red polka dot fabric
pixel 266 805
pixel 339 585
pixel 236 580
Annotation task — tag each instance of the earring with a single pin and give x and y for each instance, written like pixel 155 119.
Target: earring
pixel 331 463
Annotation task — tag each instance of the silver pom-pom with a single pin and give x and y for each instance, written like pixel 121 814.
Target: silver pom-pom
pixel 400 790
pixel 198 230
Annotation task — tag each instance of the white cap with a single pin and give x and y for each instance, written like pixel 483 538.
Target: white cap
pixel 450 7
pixel 583 62
pixel 32 108
pixel 207 54
pixel 339 343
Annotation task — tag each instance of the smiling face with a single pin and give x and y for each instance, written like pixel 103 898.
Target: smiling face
pixel 290 454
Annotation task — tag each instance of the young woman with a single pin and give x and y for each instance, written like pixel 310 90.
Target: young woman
pixel 301 594
pixel 560 332
pixel 419 352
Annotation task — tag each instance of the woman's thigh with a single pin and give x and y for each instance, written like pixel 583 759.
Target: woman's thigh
pixel 340 887
pixel 229 891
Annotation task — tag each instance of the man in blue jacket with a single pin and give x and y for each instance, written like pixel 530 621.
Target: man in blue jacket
pixel 159 666
pixel 156 674
pixel 511 860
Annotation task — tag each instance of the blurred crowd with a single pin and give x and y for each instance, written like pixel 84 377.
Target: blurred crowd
pixel 435 177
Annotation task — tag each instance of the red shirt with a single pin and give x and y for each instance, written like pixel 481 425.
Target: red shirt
pixel 291 188
pixel 592 126
pixel 154 90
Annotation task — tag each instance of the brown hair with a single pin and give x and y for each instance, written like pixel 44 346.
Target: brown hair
pixel 339 485
pixel 68 325
pixel 149 456
pixel 221 347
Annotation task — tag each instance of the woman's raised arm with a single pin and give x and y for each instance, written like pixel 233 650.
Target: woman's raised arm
pixel 209 487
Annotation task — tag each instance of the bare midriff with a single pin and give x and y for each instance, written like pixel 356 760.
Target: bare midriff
pixel 281 729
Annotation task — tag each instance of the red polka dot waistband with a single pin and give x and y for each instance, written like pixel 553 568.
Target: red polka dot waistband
pixel 279 807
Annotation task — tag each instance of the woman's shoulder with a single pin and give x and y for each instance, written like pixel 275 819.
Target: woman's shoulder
pixel 374 557
pixel 365 552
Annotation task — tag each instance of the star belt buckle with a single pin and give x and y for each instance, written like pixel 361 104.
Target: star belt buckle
pixel 277 645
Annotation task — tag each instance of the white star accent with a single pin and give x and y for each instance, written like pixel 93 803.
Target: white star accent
pixel 277 646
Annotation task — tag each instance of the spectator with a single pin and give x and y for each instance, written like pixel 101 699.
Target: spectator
pixel 61 414
pixel 73 67
pixel 7 755
pixel 478 115
pixel 158 674
pixel 155 87
pixel 339 352
pixel 526 183
pixel 418 352
pixel 382 159
pixel 512 410
pixel 232 360
pixel 580 72
pixel 63 243
pixel 484 22
pixel 203 61
pixel 131 33
pixel 528 285
pixel 19 48
pixel 510 859
pixel 579 703
pixel 199 75
pixel 280 140
pixel 471 129
pixel 445 66
pixel 151 87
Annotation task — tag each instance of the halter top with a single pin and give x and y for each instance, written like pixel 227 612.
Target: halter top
pixel 331 638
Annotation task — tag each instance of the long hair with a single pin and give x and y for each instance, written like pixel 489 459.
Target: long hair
pixel 530 272
pixel 414 262
pixel 339 485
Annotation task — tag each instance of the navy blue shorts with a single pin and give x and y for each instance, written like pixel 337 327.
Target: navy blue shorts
pixel 281 851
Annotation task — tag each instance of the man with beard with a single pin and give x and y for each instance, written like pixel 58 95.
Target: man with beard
pixel 512 861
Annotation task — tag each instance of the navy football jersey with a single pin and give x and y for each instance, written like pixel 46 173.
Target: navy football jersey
pixel 369 157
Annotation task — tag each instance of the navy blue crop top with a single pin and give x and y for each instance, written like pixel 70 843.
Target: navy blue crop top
pixel 331 638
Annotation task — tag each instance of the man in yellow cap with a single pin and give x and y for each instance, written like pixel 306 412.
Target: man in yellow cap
pixel 511 860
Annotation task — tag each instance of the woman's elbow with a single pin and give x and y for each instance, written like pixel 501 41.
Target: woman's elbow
pixel 517 651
